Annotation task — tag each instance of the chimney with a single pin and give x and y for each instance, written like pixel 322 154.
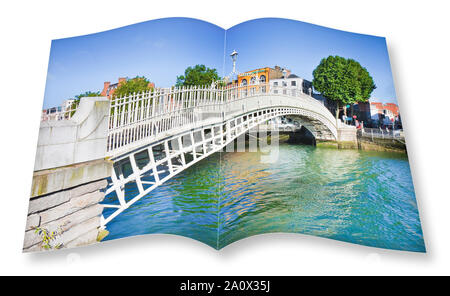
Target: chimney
pixel 288 72
pixel 105 88
pixel 122 79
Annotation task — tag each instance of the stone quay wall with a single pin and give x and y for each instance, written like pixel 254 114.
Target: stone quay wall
pixel 346 138
pixel 72 209
pixel 378 144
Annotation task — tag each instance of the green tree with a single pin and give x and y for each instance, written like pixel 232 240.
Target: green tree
pixel 343 80
pixel 76 102
pixel 134 85
pixel 87 94
pixel 198 75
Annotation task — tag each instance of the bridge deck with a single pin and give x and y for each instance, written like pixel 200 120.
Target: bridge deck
pixel 141 119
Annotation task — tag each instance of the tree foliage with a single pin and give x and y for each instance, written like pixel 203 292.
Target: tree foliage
pixel 134 85
pixel 343 80
pixel 88 94
pixel 76 102
pixel 198 75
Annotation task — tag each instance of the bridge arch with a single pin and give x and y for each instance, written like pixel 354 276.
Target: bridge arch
pixel 314 126
pixel 176 128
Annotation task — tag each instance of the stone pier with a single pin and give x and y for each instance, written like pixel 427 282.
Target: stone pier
pixel 346 138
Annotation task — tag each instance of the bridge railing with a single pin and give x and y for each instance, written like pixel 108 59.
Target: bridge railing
pixel 143 115
pixel 382 133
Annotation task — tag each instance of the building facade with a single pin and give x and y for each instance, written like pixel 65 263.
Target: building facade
pixel 109 89
pixel 67 104
pixel 292 83
pixel 275 77
pixel 261 75
pixel 377 114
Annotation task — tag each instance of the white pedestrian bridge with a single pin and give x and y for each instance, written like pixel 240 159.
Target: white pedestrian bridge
pixel 160 133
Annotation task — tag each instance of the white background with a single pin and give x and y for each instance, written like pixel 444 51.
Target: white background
pixel 418 41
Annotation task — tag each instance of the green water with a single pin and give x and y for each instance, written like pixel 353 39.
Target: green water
pixel 349 195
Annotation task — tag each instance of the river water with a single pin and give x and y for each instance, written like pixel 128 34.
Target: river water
pixel 350 195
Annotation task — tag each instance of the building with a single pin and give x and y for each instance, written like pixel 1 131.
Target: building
pixel 362 112
pixel 109 89
pixel 376 114
pixel 391 110
pixel 275 76
pixel 261 75
pixel 67 104
pixel 281 81
pixel 53 113
pixel 255 78
pixel 376 111
pixel 291 84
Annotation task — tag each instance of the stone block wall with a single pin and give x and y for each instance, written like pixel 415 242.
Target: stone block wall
pixel 74 214
pixel 378 144
pixel 347 133
pixel 67 200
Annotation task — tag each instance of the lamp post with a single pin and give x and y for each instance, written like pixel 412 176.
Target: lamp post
pixel 233 56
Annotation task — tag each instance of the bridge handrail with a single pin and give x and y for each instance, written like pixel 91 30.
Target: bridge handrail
pixel 169 108
pixel 172 100
pixel 382 133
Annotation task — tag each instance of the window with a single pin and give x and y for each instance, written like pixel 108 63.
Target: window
pixel 275 83
pixel 284 83
pixel 253 80
pixel 244 91
pixel 262 79
pixel 293 83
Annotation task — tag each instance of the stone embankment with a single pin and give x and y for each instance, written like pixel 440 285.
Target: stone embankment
pixel 66 201
pixel 377 144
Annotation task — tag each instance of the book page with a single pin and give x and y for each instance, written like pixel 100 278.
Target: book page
pixel 105 168
pixel 334 164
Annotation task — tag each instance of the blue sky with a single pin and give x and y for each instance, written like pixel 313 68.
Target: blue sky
pixel 159 50
pixel 162 49
pixel 300 47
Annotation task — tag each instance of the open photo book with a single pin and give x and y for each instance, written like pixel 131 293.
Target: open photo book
pixel 177 126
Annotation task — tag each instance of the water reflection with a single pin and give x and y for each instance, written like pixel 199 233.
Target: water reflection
pixel 350 195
